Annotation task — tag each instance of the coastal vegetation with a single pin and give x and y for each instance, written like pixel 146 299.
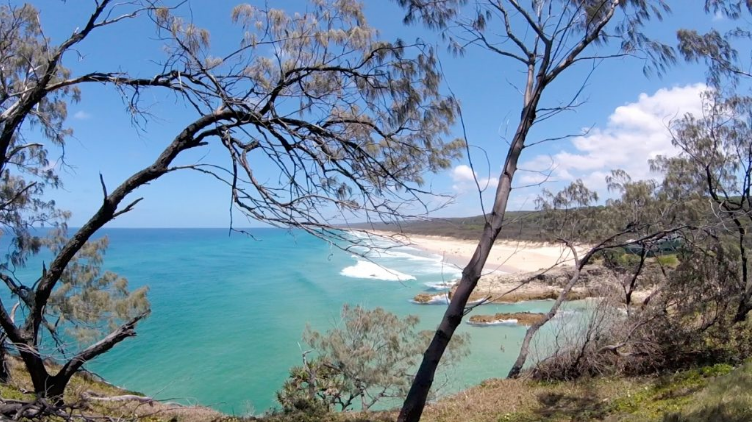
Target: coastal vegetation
pixel 366 360
pixel 694 395
pixel 702 202
pixel 351 124
pixel 384 127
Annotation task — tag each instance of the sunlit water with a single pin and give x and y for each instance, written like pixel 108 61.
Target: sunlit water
pixel 228 311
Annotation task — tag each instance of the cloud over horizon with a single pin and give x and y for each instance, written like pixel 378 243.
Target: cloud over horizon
pixel 634 133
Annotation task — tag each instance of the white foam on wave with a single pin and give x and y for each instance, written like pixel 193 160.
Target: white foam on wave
pixel 439 286
pixel 397 258
pixel 370 270
pixel 492 323
pixel 425 264
pixel 358 234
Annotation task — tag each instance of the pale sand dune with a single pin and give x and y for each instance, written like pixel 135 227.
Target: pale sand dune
pixel 508 257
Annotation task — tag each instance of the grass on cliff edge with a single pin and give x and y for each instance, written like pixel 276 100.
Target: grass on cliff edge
pixel 19 386
pixel 713 393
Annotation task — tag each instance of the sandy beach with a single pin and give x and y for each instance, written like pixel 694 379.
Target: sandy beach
pixel 515 271
pixel 505 257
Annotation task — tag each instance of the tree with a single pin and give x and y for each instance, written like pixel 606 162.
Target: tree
pixel 370 356
pixel 544 38
pixel 717 49
pixel 350 122
pixel 715 164
pixel 34 92
pixel 641 216
pixel 716 158
pixel 697 312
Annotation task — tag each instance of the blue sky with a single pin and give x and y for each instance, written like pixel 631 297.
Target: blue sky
pixel 627 111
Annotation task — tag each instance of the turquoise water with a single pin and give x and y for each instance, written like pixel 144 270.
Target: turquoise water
pixel 228 311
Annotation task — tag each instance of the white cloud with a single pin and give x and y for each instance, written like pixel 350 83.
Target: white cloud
pixel 635 133
pixel 462 173
pixel 464 179
pixel 82 115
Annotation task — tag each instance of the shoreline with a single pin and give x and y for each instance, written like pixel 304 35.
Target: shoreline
pixel 506 257
pixel 510 274
pixel 516 271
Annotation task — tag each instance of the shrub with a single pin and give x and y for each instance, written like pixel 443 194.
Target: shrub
pixel 369 357
pixel 667 260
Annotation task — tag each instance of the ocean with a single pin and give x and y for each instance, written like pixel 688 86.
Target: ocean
pixel 228 311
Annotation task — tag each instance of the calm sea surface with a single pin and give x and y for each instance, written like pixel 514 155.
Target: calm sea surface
pixel 228 311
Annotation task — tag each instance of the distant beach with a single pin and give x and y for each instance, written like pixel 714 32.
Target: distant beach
pixel 505 256
pixel 516 271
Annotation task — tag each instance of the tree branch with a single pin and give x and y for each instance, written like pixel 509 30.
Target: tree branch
pixel 124 331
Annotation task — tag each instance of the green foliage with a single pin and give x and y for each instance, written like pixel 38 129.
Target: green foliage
pixel 369 117
pixel 718 50
pixel 311 388
pixel 10 393
pixel 484 25
pixel 569 214
pixel 35 90
pixel 89 302
pixel 624 399
pixel 667 260
pixel 370 356
pixel 668 394
pixel 617 259
pixel 25 167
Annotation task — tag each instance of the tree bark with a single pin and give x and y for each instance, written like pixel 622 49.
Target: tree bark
pixel 34 363
pixel 4 373
pixel 412 409
pixel 53 386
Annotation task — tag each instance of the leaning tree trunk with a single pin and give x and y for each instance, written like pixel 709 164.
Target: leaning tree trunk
pixel 4 371
pixel 514 372
pixel 412 409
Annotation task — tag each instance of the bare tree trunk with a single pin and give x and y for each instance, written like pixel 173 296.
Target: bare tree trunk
pixel 744 303
pixel 514 372
pixel 633 282
pixel 543 67
pixel 4 372
pixel 35 366
pixel 412 409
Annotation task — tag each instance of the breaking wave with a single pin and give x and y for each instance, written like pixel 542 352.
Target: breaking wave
pixel 370 270
pixel 439 286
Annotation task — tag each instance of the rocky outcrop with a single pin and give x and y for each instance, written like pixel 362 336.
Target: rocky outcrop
pixel 595 281
pixel 517 318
